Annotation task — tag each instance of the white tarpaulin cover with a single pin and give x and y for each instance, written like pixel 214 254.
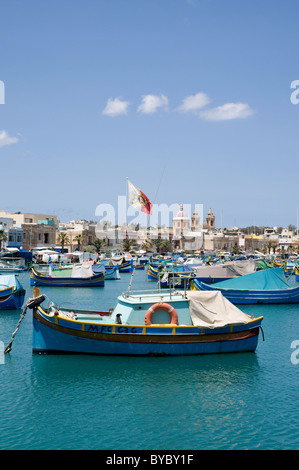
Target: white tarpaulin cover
pixel 82 271
pixel 208 309
pixel 229 269
pixel 241 267
pixel 8 280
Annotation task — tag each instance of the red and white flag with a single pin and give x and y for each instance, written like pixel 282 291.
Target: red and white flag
pixel 138 199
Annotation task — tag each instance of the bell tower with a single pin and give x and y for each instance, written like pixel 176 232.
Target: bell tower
pixel 210 221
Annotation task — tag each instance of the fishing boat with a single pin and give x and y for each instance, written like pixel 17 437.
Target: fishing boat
pixel 268 286
pixel 222 272
pixel 152 273
pixel 77 276
pixel 143 324
pixel 12 294
pixel 111 272
pixel 176 279
pixel 296 273
pixel 289 268
pixel 126 266
pixel 139 266
pixel 12 265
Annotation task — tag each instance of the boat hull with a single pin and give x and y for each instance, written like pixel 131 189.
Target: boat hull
pixel 12 299
pixel 40 280
pixel 152 273
pixel 58 335
pixel 243 297
pixel 126 267
pixel 112 273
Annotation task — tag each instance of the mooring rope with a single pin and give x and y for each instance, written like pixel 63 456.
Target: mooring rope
pixel 31 303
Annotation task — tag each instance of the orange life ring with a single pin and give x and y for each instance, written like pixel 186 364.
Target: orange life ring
pixel 161 306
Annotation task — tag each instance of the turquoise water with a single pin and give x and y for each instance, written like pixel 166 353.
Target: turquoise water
pixel 233 401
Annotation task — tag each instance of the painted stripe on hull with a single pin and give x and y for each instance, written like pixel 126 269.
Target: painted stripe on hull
pixel 50 338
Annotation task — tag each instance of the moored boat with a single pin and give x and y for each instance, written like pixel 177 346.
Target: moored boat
pixel 261 287
pixel 77 276
pixel 12 294
pixel 168 323
pixel 111 272
pixel 152 273
pixel 175 279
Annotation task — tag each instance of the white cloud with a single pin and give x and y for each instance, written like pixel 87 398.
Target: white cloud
pixel 194 102
pixel 5 139
pixel 116 107
pixel 150 104
pixel 227 112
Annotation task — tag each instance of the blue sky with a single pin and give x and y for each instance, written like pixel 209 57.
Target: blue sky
pixel 100 90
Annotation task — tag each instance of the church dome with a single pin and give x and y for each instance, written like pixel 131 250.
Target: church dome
pixel 181 214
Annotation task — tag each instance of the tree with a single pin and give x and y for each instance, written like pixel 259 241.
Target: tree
pixel 79 240
pixel 235 250
pixel 127 244
pixel 3 238
pixel 162 245
pixel 166 245
pixel 147 245
pixel 63 239
pixel 99 244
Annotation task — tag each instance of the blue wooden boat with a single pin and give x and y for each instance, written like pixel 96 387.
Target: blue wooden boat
pixel 68 278
pixel 126 266
pixel 152 273
pixel 139 266
pixel 155 324
pixel 268 286
pixel 211 274
pixel 176 279
pixel 111 272
pixel 296 273
pixel 12 294
pixel 9 267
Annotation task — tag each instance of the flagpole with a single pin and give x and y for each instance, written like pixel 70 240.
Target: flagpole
pixel 126 202
pixel 159 184
pixel 158 190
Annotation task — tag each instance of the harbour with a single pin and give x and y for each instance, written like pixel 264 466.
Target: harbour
pixel 223 401
pixel 149 229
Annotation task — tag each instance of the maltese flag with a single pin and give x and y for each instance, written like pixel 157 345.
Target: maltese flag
pixel 138 199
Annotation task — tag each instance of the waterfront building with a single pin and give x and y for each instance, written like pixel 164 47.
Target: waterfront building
pixel 187 237
pixel 20 218
pixel 80 234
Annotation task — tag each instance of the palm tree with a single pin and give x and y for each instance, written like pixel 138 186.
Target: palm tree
pixel 3 238
pixel 79 240
pixel 127 244
pixel 63 239
pixel 158 242
pixel 147 245
pixel 166 245
pixel 99 244
pixel 235 250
